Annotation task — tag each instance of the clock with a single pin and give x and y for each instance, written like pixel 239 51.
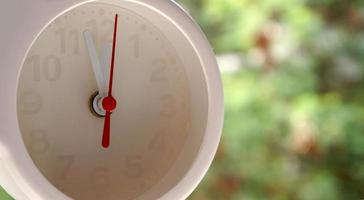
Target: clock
pixel 105 99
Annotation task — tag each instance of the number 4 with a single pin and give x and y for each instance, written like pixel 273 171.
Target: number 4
pixel 134 168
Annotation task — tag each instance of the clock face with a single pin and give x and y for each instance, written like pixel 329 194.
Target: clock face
pixel 57 86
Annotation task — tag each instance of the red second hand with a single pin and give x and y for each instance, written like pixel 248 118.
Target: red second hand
pixel 109 103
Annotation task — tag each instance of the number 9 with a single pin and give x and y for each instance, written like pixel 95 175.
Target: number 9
pixel 30 102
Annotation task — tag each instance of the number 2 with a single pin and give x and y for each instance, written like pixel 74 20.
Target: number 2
pixel 158 73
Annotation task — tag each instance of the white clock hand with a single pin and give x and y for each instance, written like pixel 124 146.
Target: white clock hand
pixel 98 69
pixel 106 51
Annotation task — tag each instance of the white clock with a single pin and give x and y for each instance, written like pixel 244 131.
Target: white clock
pixel 105 99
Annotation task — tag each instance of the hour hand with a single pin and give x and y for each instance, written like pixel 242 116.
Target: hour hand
pixel 106 50
pixel 100 71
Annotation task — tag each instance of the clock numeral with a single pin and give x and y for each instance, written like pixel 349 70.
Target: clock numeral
pixel 72 37
pixel 62 35
pixel 74 34
pixel 158 142
pixel 51 67
pixel 134 167
pixel 158 72
pixel 35 60
pixel 168 106
pixel 92 26
pixel 39 143
pixel 30 102
pixel 100 176
pixel 66 164
pixel 106 26
pixel 135 39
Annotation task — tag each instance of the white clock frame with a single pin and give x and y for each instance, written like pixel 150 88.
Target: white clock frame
pixel 21 21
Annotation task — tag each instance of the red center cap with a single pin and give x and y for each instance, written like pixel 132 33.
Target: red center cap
pixel 109 103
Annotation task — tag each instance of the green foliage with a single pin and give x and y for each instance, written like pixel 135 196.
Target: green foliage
pixel 4 195
pixel 295 108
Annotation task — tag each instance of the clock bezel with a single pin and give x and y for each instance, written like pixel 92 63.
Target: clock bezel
pixel 26 181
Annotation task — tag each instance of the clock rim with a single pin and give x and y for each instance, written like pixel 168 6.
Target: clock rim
pixel 176 14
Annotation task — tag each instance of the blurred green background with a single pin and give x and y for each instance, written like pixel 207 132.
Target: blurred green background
pixel 293 77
